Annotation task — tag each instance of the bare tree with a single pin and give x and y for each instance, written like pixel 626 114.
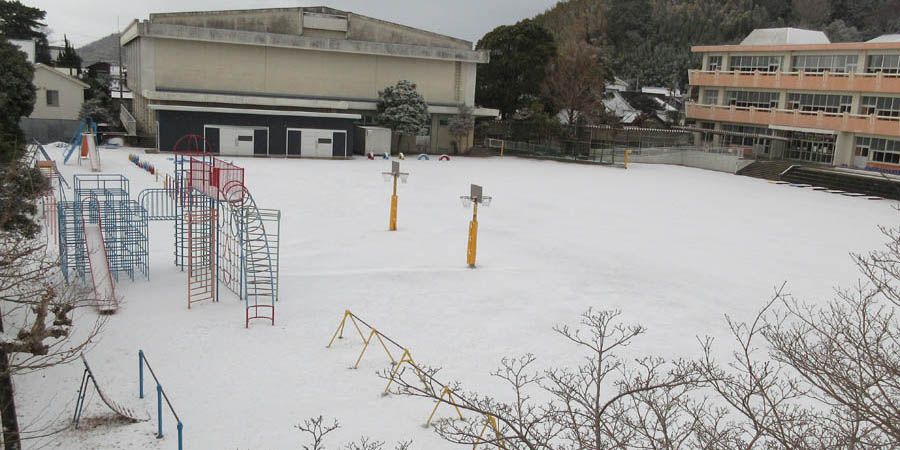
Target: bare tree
pixel 601 404
pixel 576 75
pixel 317 429
pixel 36 303
pixel 848 352
pixel 460 126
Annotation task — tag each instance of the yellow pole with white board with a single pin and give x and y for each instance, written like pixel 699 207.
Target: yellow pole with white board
pixel 393 223
pixel 394 175
pixel 473 236
pixel 476 198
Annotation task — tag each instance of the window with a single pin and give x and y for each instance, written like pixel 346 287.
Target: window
pixel 444 122
pixel 879 150
pixel 324 140
pixel 714 63
pixel 707 137
pixel 820 102
pixel 245 138
pixel 755 63
pixel 710 96
pixel 862 146
pixel 52 97
pixel 823 63
pixel 812 147
pixel 755 99
pixel 883 63
pixel 880 106
pixel 746 136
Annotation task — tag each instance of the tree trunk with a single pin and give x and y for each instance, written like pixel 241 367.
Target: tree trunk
pixel 8 404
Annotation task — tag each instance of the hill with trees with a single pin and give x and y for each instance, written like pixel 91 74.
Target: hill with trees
pixel 649 41
pixel 105 49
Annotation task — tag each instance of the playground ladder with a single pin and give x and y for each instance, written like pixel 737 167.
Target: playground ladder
pixel 259 277
pixel 201 244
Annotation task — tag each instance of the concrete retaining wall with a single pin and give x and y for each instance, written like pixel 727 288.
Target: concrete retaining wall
pixel 721 162
pixel 49 130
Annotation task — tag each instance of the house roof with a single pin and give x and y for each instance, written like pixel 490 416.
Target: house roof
pixel 784 36
pixel 61 75
pixel 886 38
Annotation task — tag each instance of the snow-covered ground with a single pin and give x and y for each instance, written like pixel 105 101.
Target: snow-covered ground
pixel 674 248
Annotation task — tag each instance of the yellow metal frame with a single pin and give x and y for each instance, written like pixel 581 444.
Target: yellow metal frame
pixel 406 358
pixel 374 333
pixel 340 328
pixel 449 401
pixel 492 422
pixel 473 237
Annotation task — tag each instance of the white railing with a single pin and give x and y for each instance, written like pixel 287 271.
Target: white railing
pixel 128 121
pixel 798 73
pixel 794 111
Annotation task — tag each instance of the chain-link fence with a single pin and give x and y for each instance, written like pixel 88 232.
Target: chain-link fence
pixel 723 159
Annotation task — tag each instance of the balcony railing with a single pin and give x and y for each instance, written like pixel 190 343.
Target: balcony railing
pixel 851 123
pixel 812 81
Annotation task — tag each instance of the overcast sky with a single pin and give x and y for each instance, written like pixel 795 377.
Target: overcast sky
pixel 84 21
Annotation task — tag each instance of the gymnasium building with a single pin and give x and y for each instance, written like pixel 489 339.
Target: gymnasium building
pixel 792 94
pixel 288 81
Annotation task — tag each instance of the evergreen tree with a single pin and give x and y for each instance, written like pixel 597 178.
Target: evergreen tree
pixel 17 96
pixel 68 57
pixel 402 109
pixel 18 21
pixel 519 57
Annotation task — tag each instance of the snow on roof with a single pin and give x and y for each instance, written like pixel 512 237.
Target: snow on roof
pixel 886 38
pixel 784 36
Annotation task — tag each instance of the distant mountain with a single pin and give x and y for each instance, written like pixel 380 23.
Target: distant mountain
pixel 105 49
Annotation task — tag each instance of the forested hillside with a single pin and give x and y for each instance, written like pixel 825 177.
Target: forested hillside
pixel 648 41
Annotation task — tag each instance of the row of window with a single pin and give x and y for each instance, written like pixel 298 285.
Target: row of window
pixel 824 63
pixel 820 102
pixel 755 99
pixel 882 150
pixel 880 106
pixel 807 63
pixel 755 63
pixel 829 103
pixel 746 141
pixel 883 63
pixel 811 147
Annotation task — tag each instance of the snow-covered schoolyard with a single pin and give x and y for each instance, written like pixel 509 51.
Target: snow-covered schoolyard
pixel 674 248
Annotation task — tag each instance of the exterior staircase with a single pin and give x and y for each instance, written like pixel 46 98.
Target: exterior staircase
pixel 874 185
pixel 768 170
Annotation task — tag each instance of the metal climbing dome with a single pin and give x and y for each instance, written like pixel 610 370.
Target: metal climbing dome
pixel 104 199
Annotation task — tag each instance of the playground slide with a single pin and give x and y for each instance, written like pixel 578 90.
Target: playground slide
pixel 94 155
pixel 100 274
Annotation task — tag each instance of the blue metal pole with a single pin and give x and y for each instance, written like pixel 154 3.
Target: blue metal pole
pixel 141 371
pixel 180 427
pixel 159 434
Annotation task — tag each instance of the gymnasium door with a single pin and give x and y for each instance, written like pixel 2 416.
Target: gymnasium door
pixel 236 141
pixel 294 141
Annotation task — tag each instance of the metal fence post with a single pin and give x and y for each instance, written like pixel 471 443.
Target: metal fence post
pixel 141 372
pixel 159 433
